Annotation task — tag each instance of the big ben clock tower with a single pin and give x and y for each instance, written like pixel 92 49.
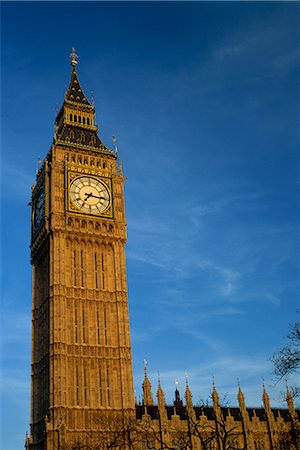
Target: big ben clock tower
pixel 81 353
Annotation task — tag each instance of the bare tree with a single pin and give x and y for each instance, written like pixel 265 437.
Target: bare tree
pixel 217 433
pixel 113 432
pixel 289 439
pixel 287 360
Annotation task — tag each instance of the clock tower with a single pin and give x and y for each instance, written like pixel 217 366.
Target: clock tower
pixel 81 353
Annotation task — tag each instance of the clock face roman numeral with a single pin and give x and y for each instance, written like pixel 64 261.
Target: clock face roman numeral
pixel 90 195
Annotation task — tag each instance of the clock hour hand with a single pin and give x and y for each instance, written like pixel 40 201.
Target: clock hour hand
pixel 88 196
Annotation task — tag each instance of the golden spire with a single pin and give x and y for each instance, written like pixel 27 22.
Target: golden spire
pixel 148 399
pixel 265 396
pixel 240 396
pixel 290 401
pixel 74 58
pixel 214 394
pixel 266 400
pixel 160 395
pixel 188 394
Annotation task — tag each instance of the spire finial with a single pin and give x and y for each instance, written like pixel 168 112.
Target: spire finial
pixel 74 58
pixel 145 366
pixel 186 378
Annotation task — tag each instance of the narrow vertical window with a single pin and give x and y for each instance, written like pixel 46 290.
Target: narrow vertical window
pixel 71 117
pixel 103 271
pixel 100 388
pixel 96 271
pixel 77 385
pixel 76 325
pixel 98 327
pixel 83 327
pixel 82 268
pixel 104 325
pixel 108 386
pixel 85 385
pixel 74 268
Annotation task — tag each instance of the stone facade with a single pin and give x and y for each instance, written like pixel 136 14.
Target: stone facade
pixel 82 394
pixel 81 352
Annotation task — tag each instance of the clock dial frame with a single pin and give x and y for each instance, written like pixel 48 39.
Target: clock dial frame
pixel 39 209
pixel 90 195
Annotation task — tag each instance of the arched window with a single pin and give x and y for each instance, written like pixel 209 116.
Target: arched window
pixel 71 116
pixel 75 118
pixel 83 120
pixel 79 119
pixel 88 121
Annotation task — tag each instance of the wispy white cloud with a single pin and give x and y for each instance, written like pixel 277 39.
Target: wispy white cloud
pixel 261 44
pixel 230 277
pixel 273 300
pixel 231 50
pixel 16 181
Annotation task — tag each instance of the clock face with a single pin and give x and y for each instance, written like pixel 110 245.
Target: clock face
pixel 39 208
pixel 89 195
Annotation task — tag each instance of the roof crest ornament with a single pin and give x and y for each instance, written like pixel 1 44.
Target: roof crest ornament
pixel 74 58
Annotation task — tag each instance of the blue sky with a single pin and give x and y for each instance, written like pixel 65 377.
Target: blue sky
pixel 204 101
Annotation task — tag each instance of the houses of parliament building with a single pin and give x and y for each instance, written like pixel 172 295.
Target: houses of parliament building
pixel 82 395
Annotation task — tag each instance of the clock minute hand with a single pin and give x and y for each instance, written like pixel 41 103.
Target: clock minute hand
pixel 96 196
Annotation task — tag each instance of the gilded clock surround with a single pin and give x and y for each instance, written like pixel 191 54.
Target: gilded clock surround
pixel 75 207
